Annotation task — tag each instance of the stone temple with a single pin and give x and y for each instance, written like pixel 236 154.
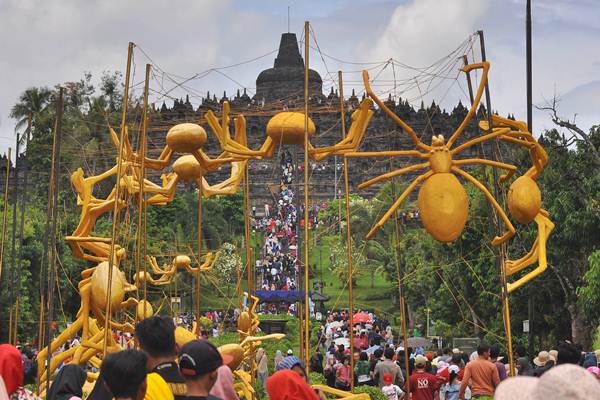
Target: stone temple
pixel 282 88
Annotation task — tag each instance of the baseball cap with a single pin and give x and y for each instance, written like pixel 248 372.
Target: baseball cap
pixel 455 351
pixel 200 357
pixel 566 381
pixel 387 379
pixel 290 352
pixel 420 361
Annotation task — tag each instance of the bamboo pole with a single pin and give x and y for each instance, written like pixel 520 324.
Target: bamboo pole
pixel 402 298
pixel 141 196
pixel 4 223
pixel 247 233
pixel 348 237
pixel 5 212
pixel 13 261
pixel 22 223
pixel 115 221
pixel 51 227
pixel 198 276
pixel 501 261
pixel 306 210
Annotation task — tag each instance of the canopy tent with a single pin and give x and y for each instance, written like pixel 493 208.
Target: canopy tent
pixel 287 296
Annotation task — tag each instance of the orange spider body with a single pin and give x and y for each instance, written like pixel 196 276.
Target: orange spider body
pixel 442 200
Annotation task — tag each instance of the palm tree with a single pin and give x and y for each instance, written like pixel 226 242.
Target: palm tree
pixel 32 103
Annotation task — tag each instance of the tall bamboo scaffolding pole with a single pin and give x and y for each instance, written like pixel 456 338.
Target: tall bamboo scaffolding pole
pixel 348 236
pixel 51 228
pixel 306 210
pixel 115 221
pixel 22 224
pixel 402 298
pixel 501 260
pixel 247 233
pixel 198 283
pixel 141 197
pixel 13 261
pixel 5 216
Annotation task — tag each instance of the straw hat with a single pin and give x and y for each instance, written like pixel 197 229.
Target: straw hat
pixel 542 358
pixel 553 355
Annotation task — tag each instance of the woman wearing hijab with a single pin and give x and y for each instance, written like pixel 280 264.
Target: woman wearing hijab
pixel 278 358
pixel 11 371
pixel 67 384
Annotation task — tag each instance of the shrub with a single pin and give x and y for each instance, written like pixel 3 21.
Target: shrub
pixel 374 392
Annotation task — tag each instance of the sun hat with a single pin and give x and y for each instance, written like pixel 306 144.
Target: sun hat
pixel 553 355
pixel 566 381
pixel 420 361
pixel 542 358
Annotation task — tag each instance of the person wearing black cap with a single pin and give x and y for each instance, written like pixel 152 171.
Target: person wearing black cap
pixel 198 364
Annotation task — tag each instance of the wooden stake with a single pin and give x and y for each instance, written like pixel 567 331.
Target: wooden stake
pixel 198 283
pixel 115 220
pixel 5 215
pixel 139 257
pixel 52 221
pixel 348 238
pixel 501 260
pixel 306 209
pixel 13 260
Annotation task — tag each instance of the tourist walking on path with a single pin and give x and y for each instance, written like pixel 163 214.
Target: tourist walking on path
pixel 423 386
pixel 387 366
pixel 480 375
pixel 262 366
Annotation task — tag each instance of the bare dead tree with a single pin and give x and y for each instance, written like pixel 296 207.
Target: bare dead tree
pixel 571 126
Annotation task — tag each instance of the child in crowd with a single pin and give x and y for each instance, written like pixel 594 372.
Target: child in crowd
pixel 391 391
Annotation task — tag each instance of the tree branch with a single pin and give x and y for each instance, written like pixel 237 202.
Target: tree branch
pixel 571 126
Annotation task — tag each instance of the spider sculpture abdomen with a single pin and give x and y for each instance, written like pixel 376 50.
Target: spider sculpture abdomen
pixel 288 128
pixel 186 137
pixel 524 199
pixel 99 284
pixel 443 206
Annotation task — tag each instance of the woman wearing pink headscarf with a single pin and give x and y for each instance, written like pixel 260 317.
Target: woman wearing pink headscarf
pixel 223 387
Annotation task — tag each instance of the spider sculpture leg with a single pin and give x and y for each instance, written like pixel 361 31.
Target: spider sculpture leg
pixel 360 121
pixel 510 168
pixel 392 174
pixel 411 133
pixel 510 229
pixel 229 186
pixel 537 253
pixel 398 202
pixel 485 66
pixel 480 139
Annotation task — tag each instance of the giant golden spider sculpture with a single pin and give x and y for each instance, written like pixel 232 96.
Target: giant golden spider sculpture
pixel 442 200
pixel 525 199
pixel 94 283
pixel 288 128
pixel 168 271
pixel 92 291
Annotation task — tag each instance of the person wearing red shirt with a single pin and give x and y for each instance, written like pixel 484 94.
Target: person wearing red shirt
pixel 423 386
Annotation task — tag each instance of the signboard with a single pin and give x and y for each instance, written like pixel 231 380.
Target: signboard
pixel 526 326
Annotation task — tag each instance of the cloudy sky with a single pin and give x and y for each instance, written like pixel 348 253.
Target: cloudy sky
pixel 48 42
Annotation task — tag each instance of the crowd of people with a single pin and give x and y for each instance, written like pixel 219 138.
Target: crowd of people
pixel 278 267
pixel 163 367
